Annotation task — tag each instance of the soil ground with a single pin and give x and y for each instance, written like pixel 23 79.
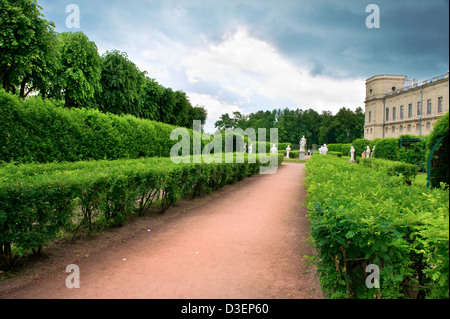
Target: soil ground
pixel 244 241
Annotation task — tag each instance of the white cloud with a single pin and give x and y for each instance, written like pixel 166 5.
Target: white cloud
pixel 214 107
pixel 249 67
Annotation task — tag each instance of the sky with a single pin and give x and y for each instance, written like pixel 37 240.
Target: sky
pixel 251 55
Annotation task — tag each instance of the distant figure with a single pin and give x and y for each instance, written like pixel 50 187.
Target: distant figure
pixel 373 151
pixel 368 152
pixel 245 147
pixel 288 148
pixel 325 149
pixel 363 154
pixel 250 149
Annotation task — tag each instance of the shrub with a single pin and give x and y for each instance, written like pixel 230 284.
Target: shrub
pixel 38 201
pixel 386 148
pixel 392 168
pixel 41 131
pixel 361 216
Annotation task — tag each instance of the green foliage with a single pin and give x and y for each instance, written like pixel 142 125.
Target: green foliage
pixel 343 148
pixel 26 45
pixel 40 131
pixel 392 168
pixel 440 128
pixel 386 148
pixel 38 201
pixel 79 71
pixel 360 146
pixel 361 216
pixel 317 128
pixel 122 85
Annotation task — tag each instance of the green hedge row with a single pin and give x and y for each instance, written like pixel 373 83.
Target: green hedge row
pixel 38 201
pixel 43 131
pixel 392 168
pixel 360 216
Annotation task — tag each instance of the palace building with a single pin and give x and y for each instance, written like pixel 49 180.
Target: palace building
pixel 396 105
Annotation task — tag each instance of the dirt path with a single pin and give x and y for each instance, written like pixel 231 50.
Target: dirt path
pixel 244 241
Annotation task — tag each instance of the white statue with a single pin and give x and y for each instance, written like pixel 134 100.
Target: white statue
pixel 325 149
pixel 274 149
pixel 352 154
pixel 288 148
pixel 245 147
pixel 250 149
pixel 368 152
pixel 302 144
pixel 373 151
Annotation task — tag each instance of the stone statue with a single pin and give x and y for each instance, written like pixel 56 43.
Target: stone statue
pixel 373 151
pixel 302 144
pixel 368 152
pixel 250 149
pixel 325 149
pixel 288 148
pixel 274 149
pixel 245 147
pixel 352 154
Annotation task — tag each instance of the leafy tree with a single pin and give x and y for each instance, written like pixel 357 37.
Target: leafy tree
pixel 79 71
pixel 122 85
pixel 27 47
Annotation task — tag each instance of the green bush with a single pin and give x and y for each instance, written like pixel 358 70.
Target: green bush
pixel 41 131
pixel 343 148
pixel 392 168
pixel 338 154
pixel 360 146
pixel 386 148
pixel 361 216
pixel 38 201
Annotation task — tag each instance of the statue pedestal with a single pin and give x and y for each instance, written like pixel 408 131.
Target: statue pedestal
pixel 301 155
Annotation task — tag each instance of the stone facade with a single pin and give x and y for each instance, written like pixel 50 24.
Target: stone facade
pixel 396 105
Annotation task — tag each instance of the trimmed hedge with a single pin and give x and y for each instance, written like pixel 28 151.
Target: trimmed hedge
pixel 38 201
pixel 43 131
pixel 360 216
pixel 392 168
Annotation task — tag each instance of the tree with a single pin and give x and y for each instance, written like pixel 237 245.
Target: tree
pixel 122 85
pixel 79 71
pixel 27 47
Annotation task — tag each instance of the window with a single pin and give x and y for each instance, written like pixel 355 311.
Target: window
pixel 440 104
pixel 428 125
pixel 387 114
pixel 409 127
pixel 428 106
pixel 410 110
pixel 401 128
pixel 418 126
pixel 386 129
pixel 419 108
pixel 402 111
pixel 393 129
pixel 371 131
pixel 370 116
pixel 394 113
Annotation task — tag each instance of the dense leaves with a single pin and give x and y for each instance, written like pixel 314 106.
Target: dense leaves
pixel 361 216
pixel 317 128
pixel 39 201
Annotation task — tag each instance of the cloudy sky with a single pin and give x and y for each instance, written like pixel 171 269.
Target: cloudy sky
pixel 250 55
